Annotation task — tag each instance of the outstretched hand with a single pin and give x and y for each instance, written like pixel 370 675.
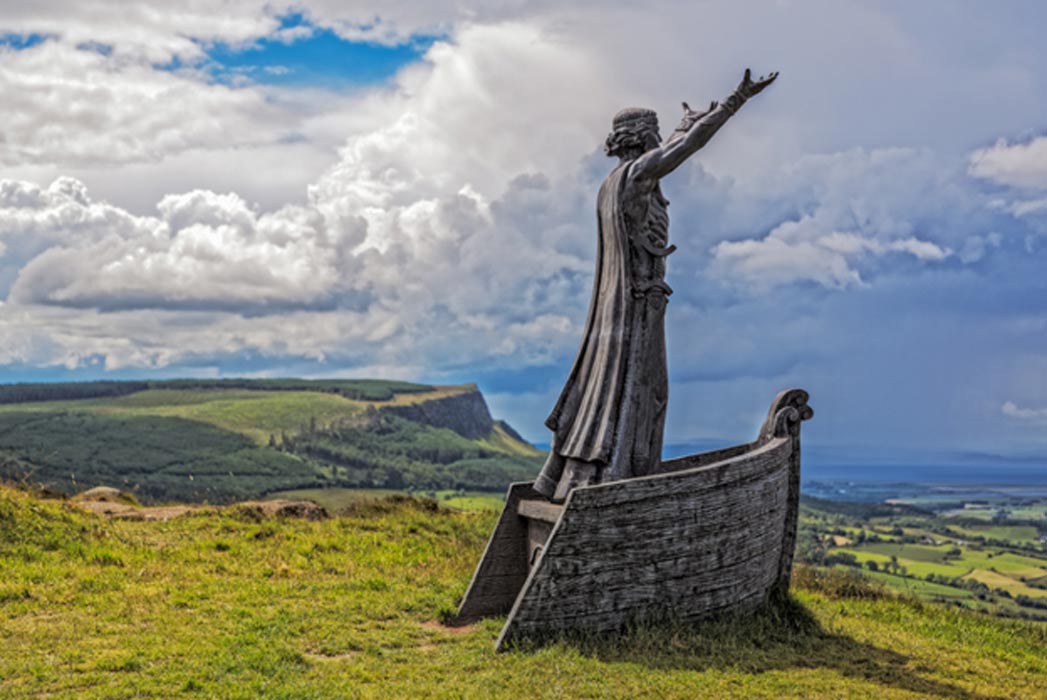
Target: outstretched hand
pixel 694 115
pixel 750 87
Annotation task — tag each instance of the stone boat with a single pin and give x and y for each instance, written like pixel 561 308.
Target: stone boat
pixel 704 534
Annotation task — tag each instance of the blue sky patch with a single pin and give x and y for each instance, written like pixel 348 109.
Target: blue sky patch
pixel 22 41
pixel 318 59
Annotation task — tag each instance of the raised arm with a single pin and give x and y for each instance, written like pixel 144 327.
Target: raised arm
pixel 695 130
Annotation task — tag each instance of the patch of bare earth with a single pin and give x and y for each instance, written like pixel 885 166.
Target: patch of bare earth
pixel 104 500
pixel 434 626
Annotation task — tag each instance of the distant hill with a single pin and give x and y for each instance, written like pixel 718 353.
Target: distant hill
pixel 223 440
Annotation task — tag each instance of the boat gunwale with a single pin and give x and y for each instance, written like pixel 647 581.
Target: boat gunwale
pixel 766 446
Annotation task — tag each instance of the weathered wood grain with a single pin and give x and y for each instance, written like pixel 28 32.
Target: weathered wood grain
pixel 540 509
pixel 708 533
pixel 538 532
pixel 700 460
pixel 683 543
pixel 504 565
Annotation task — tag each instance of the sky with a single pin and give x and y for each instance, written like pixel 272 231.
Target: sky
pixel 407 190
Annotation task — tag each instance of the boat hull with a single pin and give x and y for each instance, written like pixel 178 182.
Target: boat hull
pixel 707 534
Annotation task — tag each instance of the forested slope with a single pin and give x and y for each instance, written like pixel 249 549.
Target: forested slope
pixel 222 440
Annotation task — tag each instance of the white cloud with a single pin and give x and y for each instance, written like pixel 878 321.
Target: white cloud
pixel 145 32
pixel 772 262
pixel 456 226
pixel 67 106
pixel 1014 164
pixel 1022 207
pixel 1013 410
pixel 858 210
pixel 424 234
pixel 204 251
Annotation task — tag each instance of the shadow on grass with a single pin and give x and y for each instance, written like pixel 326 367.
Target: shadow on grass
pixel 782 635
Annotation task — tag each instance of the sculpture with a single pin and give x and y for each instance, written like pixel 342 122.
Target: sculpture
pixel 609 534
pixel 608 422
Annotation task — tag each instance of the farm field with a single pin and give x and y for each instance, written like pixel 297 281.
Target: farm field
pixel 226 605
pixel 1015 533
pixel 998 567
pixel 916 587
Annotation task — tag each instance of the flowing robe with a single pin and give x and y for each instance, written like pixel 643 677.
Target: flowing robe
pixel 611 411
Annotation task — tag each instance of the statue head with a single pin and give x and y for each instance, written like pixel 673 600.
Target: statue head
pixel 633 129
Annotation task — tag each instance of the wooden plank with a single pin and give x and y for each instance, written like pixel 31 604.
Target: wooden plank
pixel 540 509
pixel 703 459
pixel 503 569
pixel 685 543
pixel 770 457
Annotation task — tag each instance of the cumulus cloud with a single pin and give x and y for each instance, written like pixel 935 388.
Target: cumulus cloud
pixel 858 211
pixel 453 233
pixel 1022 164
pixel 72 106
pixel 145 32
pixel 437 236
pixel 160 32
pixel 204 251
pixel 428 226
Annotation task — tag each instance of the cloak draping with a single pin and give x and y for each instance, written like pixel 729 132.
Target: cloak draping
pixel 612 409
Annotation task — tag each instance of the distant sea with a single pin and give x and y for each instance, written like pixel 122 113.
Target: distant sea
pixel 823 464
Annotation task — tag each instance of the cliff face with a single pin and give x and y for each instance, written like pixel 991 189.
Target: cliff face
pixel 465 413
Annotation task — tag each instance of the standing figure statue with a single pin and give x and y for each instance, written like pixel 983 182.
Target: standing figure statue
pixel 608 422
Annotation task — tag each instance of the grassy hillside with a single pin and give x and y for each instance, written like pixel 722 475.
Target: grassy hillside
pixel 227 605
pixel 360 389
pixel 225 440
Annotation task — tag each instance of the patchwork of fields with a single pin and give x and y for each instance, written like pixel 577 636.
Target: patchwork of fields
pixel 999 567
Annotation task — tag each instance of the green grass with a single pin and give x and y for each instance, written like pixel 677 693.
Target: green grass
pixel 994 579
pixel 193 441
pixel 1005 562
pixel 471 500
pixel 227 606
pixel 359 389
pixel 1013 533
pixel 1003 570
pixel 914 568
pixel 335 500
pixel 916 587
pixel 338 500
pixel 259 415
pixel 1009 570
pixel 500 441
pixel 1034 512
pixel 911 552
